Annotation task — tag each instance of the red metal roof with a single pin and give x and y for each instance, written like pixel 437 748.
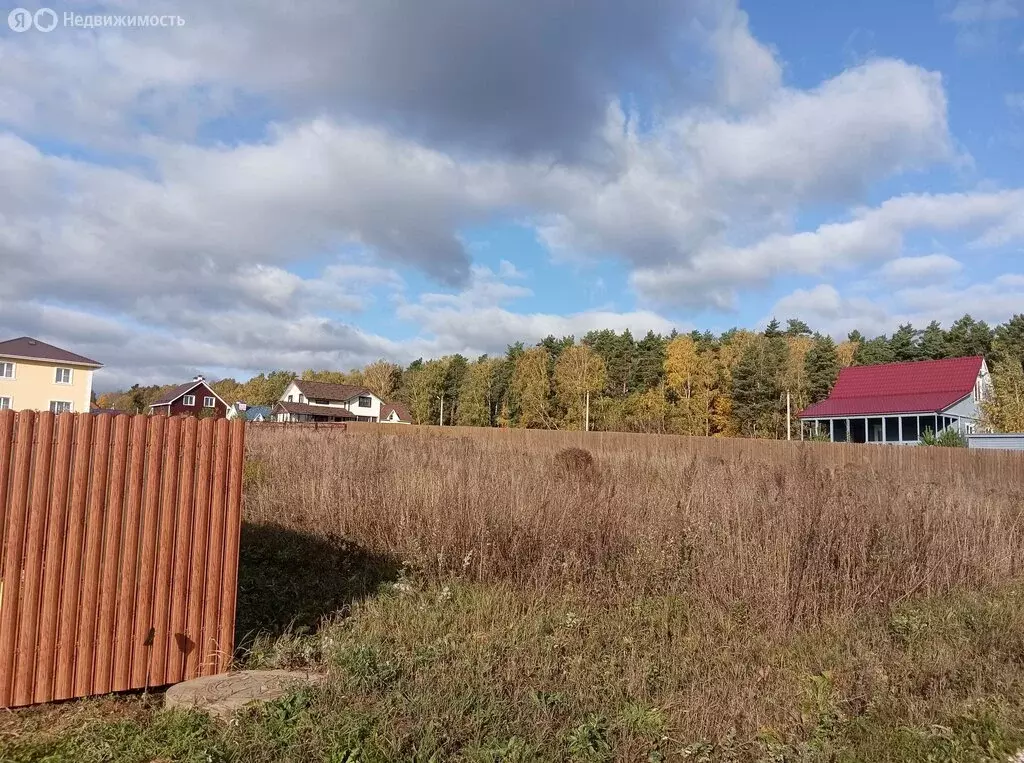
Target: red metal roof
pixel 925 386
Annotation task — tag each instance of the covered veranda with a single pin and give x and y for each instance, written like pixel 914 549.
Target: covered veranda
pixel 906 429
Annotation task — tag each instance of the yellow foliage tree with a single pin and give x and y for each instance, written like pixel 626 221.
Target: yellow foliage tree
pixel 579 371
pixel 1004 410
pixel 692 375
pixel 531 386
pixel 381 378
pixel 846 351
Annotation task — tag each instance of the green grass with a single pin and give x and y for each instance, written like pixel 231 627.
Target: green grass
pixel 473 672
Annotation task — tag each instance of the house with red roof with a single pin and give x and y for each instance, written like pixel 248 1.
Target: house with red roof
pixel 898 402
pixel 193 398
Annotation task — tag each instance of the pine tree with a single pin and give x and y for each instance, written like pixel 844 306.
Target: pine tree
pixel 933 344
pixel 903 345
pixel 648 363
pixel 616 350
pixel 454 373
pixel 872 352
pixel 822 364
pixel 796 327
pixel 968 337
pixel 1008 343
pixel 757 391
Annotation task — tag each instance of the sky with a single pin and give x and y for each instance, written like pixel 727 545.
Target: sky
pixel 259 187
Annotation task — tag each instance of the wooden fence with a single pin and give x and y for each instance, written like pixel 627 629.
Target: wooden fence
pixel 119 552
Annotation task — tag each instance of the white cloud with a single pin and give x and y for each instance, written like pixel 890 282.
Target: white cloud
pixel 979 11
pixel 824 307
pixel 925 269
pixel 1015 102
pixel 873 235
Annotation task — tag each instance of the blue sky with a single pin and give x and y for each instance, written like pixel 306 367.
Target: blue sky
pixel 267 189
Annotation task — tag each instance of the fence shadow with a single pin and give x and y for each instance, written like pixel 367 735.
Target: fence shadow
pixel 291 580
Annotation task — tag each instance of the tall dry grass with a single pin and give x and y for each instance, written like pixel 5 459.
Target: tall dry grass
pixel 791 538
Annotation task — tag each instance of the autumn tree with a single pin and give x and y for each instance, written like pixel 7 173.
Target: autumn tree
pixel 478 401
pixel 425 390
pixel 382 378
pixel 691 377
pixel 578 372
pixel 796 380
pixel 1004 410
pixel 530 388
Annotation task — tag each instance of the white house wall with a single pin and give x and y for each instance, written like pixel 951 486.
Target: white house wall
pixel 349 405
pixel 965 409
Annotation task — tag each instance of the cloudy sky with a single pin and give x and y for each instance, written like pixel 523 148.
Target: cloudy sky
pixel 267 188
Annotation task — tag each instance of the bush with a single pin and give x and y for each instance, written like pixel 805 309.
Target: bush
pixel 949 438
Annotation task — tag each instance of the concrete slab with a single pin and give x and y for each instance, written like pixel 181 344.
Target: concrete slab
pixel 222 695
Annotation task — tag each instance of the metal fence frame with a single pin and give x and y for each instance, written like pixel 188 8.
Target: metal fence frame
pixel 118 550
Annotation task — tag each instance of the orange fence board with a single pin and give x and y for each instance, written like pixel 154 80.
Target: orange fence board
pixel 118 551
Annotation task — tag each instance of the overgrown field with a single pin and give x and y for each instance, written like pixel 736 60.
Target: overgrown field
pixel 506 598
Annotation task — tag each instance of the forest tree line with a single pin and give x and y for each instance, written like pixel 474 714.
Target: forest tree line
pixel 733 384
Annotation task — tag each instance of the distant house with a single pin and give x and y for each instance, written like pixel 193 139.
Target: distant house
pixel 308 401
pixel 251 413
pixel 395 413
pixel 898 402
pixel 36 376
pixel 194 398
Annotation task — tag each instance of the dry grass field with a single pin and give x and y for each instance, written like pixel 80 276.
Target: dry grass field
pixel 522 596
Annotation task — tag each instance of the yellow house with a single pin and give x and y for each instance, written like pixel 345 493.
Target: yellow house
pixel 36 376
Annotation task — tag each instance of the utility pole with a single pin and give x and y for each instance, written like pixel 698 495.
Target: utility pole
pixel 789 426
pixel 586 425
pixel 441 423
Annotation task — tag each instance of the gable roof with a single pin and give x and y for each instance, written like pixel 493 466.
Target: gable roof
pixel 404 414
pixel 253 412
pixel 174 393
pixel 324 391
pixel 924 386
pixel 27 348
pixel 314 410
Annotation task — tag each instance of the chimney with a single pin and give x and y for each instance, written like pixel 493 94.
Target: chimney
pixel 243 407
pixel 199 378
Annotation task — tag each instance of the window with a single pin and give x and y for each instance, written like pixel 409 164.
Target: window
pixel 5 403
pixel 365 402
pixel 858 431
pixel 302 398
pixel 910 433
pixel 60 406
pixel 892 429
pixel 62 376
pixel 875 430
pixel 189 401
pixel 290 399
pixel 208 402
pixel 927 423
pixel 839 433
pixel 6 370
